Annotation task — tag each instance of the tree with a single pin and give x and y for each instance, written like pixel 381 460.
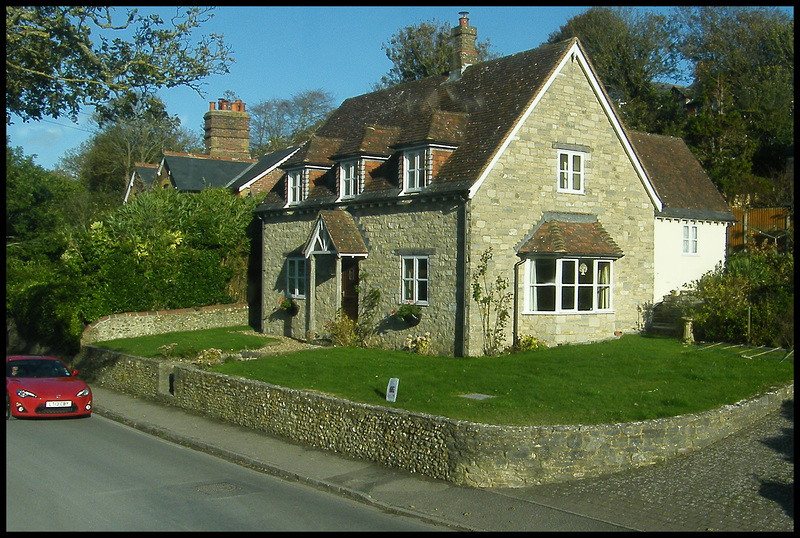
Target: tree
pixel 34 198
pixel 629 50
pixel 278 123
pixel 422 50
pixel 134 129
pixel 743 62
pixel 54 65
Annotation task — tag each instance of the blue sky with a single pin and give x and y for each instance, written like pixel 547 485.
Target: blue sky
pixel 280 51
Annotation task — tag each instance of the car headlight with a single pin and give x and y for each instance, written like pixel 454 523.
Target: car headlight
pixel 84 392
pixel 22 393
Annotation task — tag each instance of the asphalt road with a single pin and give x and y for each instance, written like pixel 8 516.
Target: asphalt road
pixel 98 475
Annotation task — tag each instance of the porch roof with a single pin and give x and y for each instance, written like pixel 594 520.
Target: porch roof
pixel 336 231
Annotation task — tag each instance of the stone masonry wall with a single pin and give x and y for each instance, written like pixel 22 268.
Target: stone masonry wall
pixel 464 453
pixel 428 228
pixel 522 185
pixel 132 324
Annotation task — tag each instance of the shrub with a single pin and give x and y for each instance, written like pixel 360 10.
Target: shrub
pixel 525 343
pixel 418 344
pixel 342 330
pixel 749 300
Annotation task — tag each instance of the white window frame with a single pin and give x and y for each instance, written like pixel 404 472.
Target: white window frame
pixel 296 277
pixel 415 170
pixel 690 244
pixel 567 174
pixel 349 179
pixel 569 286
pixel 415 279
pixel 294 187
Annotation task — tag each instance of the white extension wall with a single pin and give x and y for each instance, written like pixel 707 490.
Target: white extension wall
pixel 673 268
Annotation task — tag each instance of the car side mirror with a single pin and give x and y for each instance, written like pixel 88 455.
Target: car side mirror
pixel 74 372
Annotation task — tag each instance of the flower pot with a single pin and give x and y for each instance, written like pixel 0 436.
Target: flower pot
pixel 293 310
pixel 412 319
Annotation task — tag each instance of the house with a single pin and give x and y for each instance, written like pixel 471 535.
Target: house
pixel 141 179
pixel 524 155
pixel 262 175
pixel 226 163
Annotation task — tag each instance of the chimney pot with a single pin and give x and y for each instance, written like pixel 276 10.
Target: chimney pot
pixel 463 18
pixel 212 105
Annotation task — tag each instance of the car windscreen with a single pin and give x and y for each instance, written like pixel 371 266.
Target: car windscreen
pixel 36 368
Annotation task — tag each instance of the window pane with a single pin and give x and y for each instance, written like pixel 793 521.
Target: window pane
pixel 408 268
pixel 545 271
pixel 603 297
pixel 604 272
pixel 576 163
pixel 568 299
pixel 408 290
pixel 576 182
pixel 545 299
pixel 585 272
pixel 422 268
pixel 568 272
pixel 422 291
pixel 585 298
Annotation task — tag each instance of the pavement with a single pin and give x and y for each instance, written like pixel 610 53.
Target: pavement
pixel 742 483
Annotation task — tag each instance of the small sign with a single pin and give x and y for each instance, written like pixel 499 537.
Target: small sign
pixel 391 390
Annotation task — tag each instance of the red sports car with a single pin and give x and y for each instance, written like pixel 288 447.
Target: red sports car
pixel 40 386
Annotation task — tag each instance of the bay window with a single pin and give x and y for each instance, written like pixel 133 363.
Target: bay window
pixel 569 285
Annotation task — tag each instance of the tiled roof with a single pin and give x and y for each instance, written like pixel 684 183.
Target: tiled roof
pixel 680 182
pixel 194 173
pixel 574 237
pixel 475 113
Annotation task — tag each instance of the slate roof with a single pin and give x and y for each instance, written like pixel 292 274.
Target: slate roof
pixel 570 234
pixel 263 165
pixel 193 173
pixel 684 188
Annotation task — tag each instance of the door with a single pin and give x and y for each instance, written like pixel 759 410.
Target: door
pixel 350 287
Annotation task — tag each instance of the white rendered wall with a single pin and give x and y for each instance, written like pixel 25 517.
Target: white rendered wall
pixel 673 268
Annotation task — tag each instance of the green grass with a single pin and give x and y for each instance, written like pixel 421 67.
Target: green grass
pixel 188 343
pixel 621 380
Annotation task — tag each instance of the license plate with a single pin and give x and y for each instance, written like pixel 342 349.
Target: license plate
pixel 58 403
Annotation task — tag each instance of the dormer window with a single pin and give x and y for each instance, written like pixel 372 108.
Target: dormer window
pixel 294 187
pixel 349 181
pixel 414 170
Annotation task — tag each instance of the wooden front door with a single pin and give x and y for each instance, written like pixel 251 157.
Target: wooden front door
pixel 350 287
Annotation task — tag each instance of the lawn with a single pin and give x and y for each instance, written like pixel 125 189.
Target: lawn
pixel 620 380
pixel 188 343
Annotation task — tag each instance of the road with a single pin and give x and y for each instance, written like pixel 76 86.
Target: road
pixel 98 475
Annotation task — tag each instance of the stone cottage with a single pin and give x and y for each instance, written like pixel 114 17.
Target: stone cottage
pixel 525 155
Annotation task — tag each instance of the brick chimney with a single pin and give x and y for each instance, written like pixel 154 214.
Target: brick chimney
pixel 465 52
pixel 227 130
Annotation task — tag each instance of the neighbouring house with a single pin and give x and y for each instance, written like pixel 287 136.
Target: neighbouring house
pixel 262 175
pixel 226 163
pixel 142 178
pixel 525 155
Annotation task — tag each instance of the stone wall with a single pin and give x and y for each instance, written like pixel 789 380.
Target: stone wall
pixel 470 454
pixel 132 324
